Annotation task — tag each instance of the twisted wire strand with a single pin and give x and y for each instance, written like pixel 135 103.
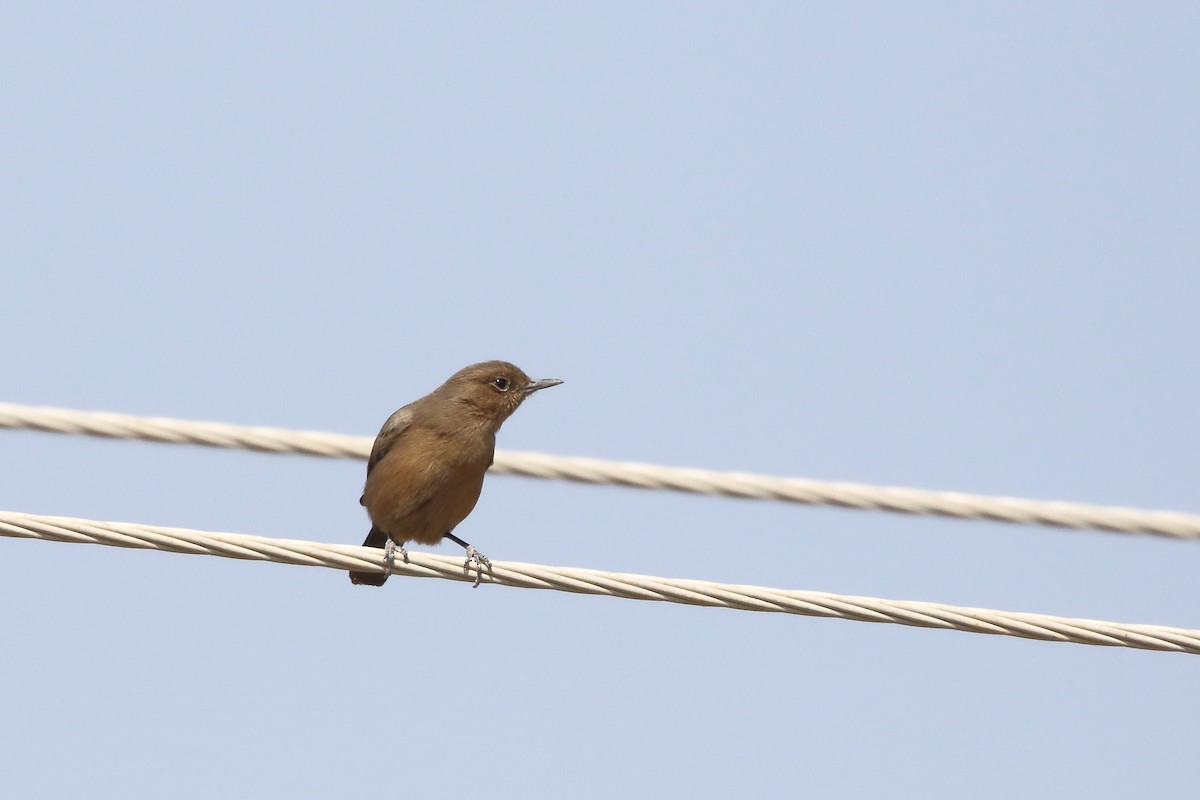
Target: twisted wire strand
pixel 612 584
pixel 644 476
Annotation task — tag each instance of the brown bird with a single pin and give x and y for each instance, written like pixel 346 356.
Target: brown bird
pixel 427 464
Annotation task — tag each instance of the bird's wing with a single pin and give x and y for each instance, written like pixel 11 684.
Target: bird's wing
pixel 389 434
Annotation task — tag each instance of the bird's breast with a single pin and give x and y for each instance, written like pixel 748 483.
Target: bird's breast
pixel 427 484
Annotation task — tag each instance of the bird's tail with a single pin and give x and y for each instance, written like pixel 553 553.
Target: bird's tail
pixel 376 538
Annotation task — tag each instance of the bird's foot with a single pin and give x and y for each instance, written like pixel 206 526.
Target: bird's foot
pixel 481 562
pixel 389 555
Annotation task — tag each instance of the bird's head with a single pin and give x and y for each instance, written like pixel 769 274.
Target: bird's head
pixel 493 389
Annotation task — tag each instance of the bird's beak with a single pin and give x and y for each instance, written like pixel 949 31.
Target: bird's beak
pixel 544 383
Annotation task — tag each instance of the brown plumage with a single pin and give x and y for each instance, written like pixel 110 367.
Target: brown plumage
pixel 427 464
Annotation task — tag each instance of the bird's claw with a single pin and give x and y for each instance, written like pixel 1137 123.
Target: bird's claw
pixel 389 555
pixel 481 562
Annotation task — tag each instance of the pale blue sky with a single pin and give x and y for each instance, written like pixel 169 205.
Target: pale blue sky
pixel 943 245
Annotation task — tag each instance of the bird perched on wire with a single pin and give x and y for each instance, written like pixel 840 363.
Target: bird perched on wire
pixel 427 464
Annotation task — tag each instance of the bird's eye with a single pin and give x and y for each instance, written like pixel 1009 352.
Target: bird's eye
pixel 501 384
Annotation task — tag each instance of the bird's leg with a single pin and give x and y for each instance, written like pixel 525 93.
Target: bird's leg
pixel 473 555
pixel 389 554
pixel 481 561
